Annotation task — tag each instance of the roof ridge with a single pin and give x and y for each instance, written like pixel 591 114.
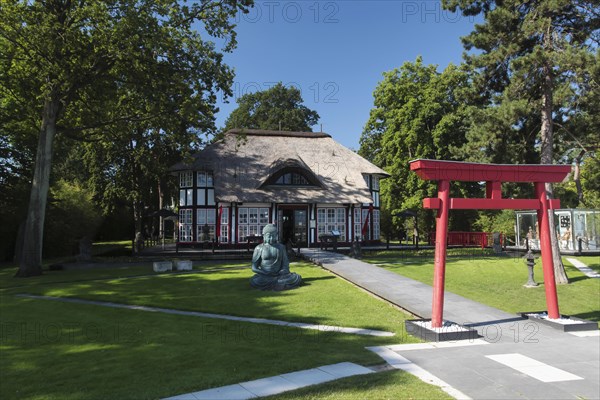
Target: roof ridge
pixel 266 132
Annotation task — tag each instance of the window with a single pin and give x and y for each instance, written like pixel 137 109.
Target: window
pixel 357 223
pixel 185 179
pixel 376 225
pixel 243 216
pixel 205 179
pixel 186 197
pixel 251 221
pixel 185 226
pixel 331 219
pixel 292 178
pixel 206 193
pixel 375 183
pixel 206 224
pixel 365 215
pixel 375 199
pixel 224 236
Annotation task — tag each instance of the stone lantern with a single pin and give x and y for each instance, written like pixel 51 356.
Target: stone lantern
pixel 530 262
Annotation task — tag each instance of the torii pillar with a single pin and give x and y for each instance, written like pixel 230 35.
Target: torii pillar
pixel 493 175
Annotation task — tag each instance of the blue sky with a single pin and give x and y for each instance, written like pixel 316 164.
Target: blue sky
pixel 336 51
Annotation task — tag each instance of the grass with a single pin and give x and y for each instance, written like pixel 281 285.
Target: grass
pixel 380 386
pixel 56 350
pixel 498 282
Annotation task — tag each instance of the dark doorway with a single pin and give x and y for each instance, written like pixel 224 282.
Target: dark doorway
pixel 293 225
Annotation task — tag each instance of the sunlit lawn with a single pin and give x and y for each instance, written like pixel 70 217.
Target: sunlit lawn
pixel 58 350
pixel 498 281
pixel 388 385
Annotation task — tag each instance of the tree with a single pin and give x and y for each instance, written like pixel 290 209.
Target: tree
pixel 75 63
pixel 417 114
pixel 531 52
pixel 277 108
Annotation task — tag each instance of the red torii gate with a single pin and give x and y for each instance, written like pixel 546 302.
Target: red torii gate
pixel 493 175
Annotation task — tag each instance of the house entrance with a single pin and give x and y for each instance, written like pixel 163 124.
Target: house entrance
pixel 293 225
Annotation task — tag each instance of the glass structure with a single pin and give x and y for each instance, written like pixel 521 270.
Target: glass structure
pixel 573 226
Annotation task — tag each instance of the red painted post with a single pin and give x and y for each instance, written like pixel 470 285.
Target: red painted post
pixel 441 235
pixel 546 247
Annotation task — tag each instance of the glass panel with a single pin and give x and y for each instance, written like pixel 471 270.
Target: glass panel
pixel 185 179
pixel 341 216
pixel 210 201
pixel 201 179
pixel 242 233
pixel 253 230
pixel 209 179
pixel 182 197
pixel 253 216
pixel 201 198
pixel 331 215
pixel 201 217
pixel 321 213
pixel 375 199
pixel 264 216
pixel 224 238
pixel 225 215
pixel 243 216
pixel 189 197
pixel 211 216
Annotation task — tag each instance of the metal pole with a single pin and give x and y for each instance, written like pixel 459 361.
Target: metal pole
pixel 441 238
pixel 546 247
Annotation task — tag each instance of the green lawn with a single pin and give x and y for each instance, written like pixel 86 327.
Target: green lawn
pixel 381 386
pixel 498 281
pixel 57 350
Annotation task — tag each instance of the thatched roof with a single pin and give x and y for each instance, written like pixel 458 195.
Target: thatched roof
pixel 244 160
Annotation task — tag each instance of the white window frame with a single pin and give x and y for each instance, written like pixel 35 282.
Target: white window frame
pixel 251 221
pixel 331 219
pixel 186 179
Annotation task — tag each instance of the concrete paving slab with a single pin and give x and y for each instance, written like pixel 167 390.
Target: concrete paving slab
pixel 308 377
pixel 230 392
pixel 345 369
pixel 269 386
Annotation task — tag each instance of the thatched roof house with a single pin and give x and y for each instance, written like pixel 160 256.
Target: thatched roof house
pixel 304 182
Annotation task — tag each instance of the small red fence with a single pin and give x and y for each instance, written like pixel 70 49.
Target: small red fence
pixel 482 239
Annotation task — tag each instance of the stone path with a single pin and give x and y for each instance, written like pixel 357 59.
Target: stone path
pixel 583 268
pixel 278 384
pixel 301 325
pixel 408 294
pixel 523 359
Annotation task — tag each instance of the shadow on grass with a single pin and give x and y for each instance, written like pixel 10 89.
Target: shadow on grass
pixel 74 351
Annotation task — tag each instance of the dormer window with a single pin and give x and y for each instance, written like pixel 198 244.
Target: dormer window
pixel 292 178
pixel 291 173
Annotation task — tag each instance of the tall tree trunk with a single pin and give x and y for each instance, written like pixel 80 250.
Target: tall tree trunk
pixel 577 178
pixel 161 200
pixel 547 136
pixel 30 263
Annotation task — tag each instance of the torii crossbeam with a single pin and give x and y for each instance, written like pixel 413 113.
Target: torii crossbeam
pixel 493 175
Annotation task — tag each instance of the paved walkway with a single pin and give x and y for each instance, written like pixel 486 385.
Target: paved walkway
pixel 521 359
pixel 583 268
pixel 277 384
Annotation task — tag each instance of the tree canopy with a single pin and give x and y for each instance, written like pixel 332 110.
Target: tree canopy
pixel 531 65
pixel 94 71
pixel 276 108
pixel 418 113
